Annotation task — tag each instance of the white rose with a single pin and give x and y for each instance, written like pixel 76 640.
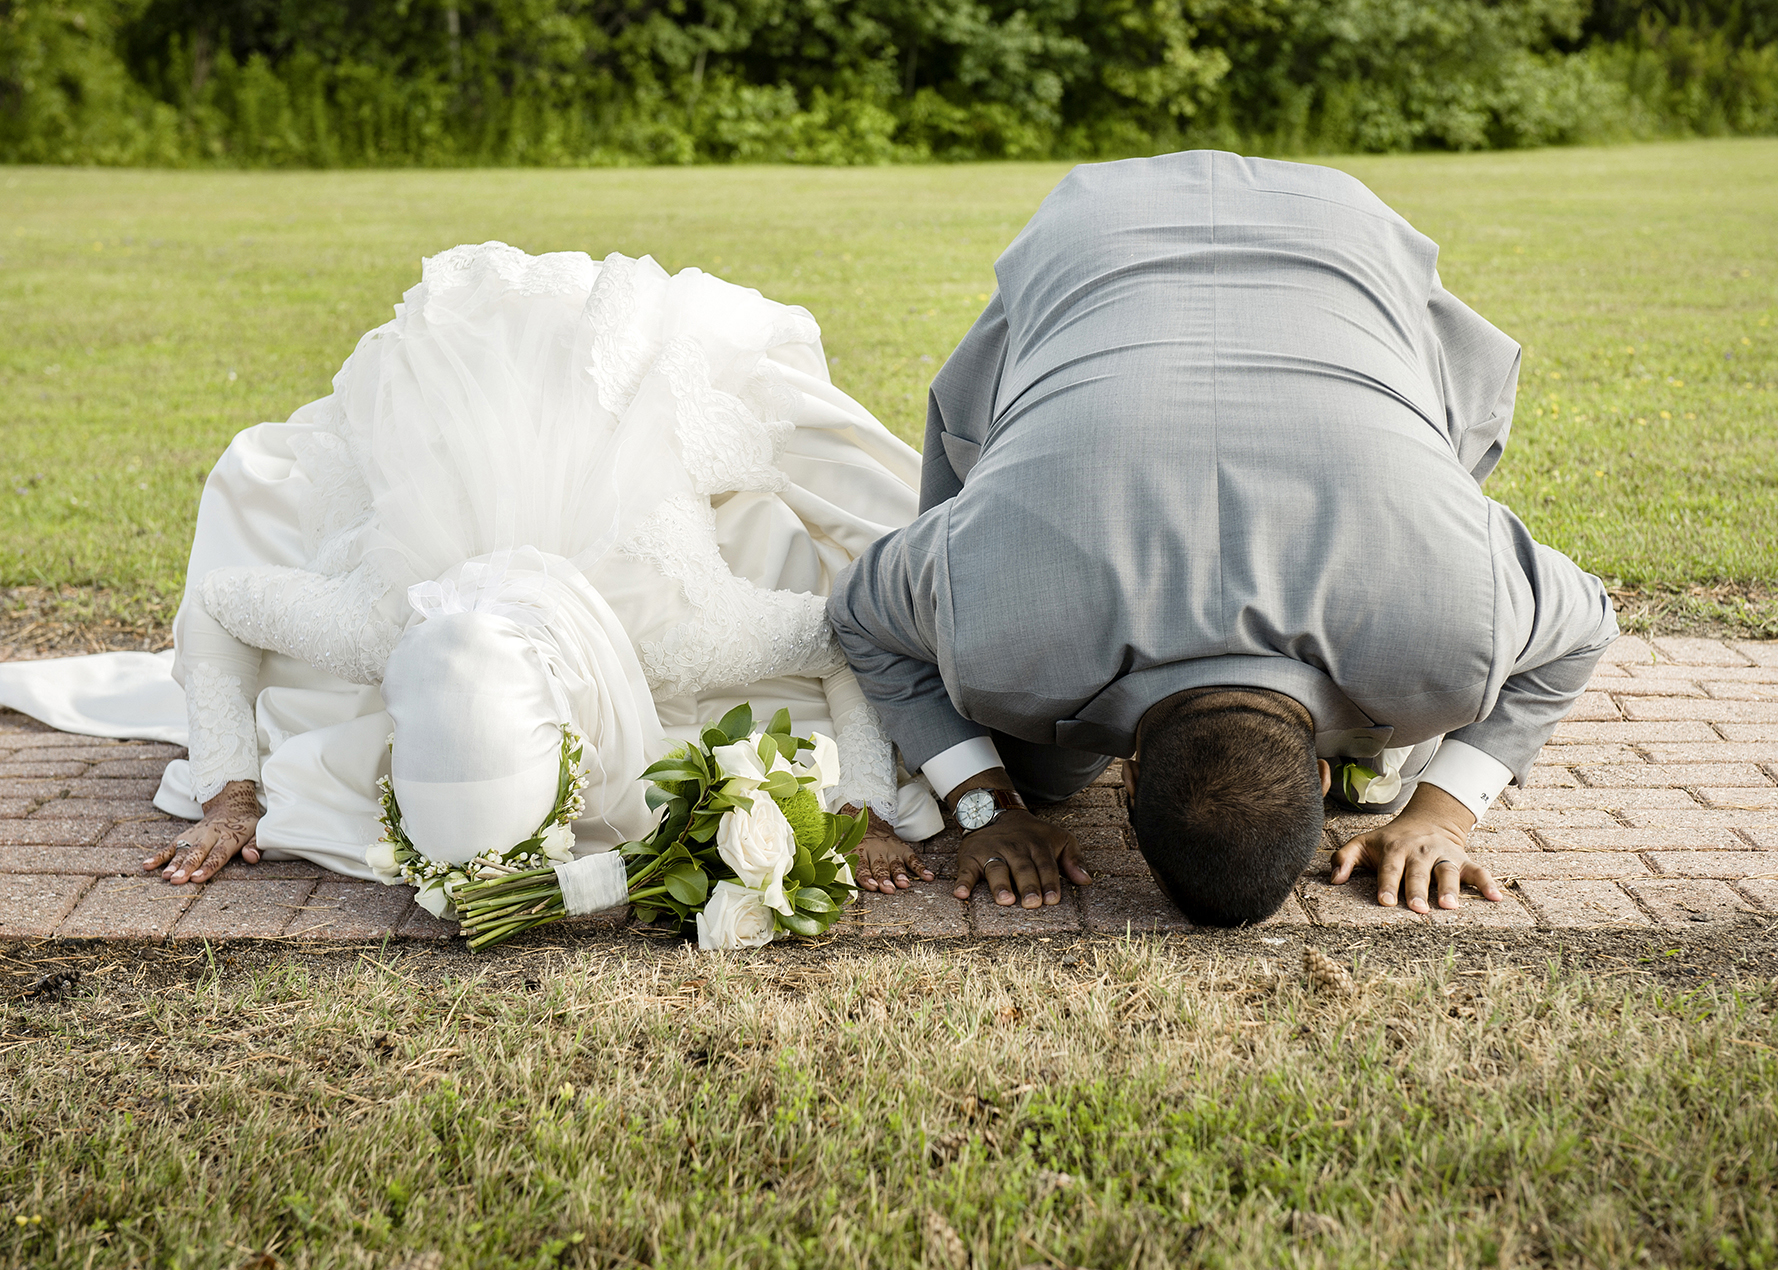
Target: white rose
pixel 434 899
pixel 558 843
pixel 740 764
pixel 823 762
pixel 1379 787
pixel 1375 789
pixel 380 856
pixel 740 761
pixel 734 917
pixel 760 846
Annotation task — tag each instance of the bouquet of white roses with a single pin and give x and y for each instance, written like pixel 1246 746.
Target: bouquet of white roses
pixel 744 846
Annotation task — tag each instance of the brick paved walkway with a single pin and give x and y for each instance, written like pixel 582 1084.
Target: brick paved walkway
pixel 1656 804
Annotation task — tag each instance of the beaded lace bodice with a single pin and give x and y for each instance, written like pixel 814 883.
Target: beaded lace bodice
pixel 337 612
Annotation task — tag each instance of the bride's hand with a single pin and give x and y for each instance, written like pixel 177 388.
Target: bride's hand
pixel 885 862
pixel 228 826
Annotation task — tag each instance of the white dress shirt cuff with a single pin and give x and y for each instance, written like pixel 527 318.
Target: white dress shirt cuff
pixel 1472 777
pixel 950 768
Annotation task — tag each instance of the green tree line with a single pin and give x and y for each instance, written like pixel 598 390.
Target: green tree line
pixel 323 83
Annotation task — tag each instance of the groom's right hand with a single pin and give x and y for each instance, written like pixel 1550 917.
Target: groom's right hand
pixel 1021 858
pixel 228 828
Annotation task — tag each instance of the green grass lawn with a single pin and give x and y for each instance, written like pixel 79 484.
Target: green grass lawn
pixel 145 317
pixel 1124 1104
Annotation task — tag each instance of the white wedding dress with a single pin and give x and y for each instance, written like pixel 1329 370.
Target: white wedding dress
pixel 675 439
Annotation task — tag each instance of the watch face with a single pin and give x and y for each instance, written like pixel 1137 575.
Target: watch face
pixel 976 808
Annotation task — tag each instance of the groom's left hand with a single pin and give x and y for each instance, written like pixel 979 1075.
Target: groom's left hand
pixel 1020 851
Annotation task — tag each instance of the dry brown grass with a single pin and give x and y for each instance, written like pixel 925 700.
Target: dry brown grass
pixel 1123 1103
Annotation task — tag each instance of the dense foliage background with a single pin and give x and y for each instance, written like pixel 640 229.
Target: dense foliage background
pixel 271 83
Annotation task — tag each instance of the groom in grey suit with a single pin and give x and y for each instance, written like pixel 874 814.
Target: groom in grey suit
pixel 1202 489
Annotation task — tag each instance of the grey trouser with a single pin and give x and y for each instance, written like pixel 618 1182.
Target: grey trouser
pixel 1048 773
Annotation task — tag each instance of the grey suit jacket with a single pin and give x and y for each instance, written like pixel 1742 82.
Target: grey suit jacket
pixel 1220 424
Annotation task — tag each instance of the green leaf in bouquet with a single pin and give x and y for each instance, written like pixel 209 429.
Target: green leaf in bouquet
pixel 713 736
pixel 656 797
pixel 737 723
pixel 854 835
pixel 673 827
pixel 812 899
pixel 703 831
pixel 801 924
pixel 780 785
pixel 825 872
pixel 780 723
pixel 686 883
pixel 803 870
pixel 671 771
pixel 648 915
pixel 768 750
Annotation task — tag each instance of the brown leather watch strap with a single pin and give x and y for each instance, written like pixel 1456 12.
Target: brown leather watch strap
pixel 1004 800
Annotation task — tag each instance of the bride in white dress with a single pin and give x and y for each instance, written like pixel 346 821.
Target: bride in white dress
pixel 647 480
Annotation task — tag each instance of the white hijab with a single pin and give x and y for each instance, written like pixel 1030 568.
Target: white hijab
pixel 511 647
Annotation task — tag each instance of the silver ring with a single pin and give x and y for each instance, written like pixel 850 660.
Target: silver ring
pixel 993 859
pixel 180 844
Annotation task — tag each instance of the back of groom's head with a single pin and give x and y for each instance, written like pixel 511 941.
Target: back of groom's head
pixel 1227 802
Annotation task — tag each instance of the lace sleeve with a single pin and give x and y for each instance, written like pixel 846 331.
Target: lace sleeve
pixel 737 633
pixel 328 622
pixel 867 760
pixel 221 677
pixel 224 741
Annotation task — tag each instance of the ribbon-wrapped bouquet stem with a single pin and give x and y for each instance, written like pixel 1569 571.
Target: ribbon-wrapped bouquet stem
pixel 745 847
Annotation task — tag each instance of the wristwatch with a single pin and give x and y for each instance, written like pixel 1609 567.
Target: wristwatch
pixel 980 808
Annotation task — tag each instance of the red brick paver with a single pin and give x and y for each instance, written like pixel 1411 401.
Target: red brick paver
pixel 128 908
pixel 1678 903
pixel 926 908
pixel 236 910
pixel 339 909
pixel 32 906
pixel 1655 802
pixel 1582 903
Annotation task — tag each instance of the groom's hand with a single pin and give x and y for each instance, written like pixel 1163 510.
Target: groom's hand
pixel 1021 858
pixel 1422 848
pixel 227 829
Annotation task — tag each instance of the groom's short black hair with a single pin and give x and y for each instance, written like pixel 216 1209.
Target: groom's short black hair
pixel 1228 809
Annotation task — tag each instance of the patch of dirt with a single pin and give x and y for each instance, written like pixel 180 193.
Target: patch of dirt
pixel 1726 611
pixel 62 621
pixel 1738 953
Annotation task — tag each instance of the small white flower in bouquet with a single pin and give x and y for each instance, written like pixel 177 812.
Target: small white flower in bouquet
pixel 440 886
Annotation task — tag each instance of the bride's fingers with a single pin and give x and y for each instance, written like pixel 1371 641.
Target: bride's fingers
pixel 917 865
pixel 187 861
pixel 160 857
pixel 227 845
